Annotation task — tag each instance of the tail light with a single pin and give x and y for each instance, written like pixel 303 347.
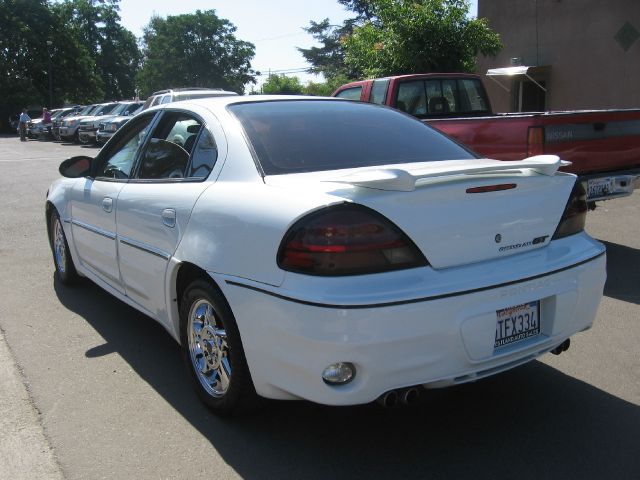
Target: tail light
pixel 575 213
pixel 347 240
pixel 535 141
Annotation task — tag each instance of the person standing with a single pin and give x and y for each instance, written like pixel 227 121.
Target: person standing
pixel 46 116
pixel 22 125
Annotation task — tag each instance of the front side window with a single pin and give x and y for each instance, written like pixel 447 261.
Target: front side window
pixel 307 135
pixel 122 152
pixel 167 154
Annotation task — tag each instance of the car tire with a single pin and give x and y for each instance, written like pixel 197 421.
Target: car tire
pixel 65 269
pixel 212 351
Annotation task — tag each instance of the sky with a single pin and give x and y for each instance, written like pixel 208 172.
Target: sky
pixel 275 27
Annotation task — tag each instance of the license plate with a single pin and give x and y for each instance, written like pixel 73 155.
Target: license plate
pixel 599 187
pixel 517 323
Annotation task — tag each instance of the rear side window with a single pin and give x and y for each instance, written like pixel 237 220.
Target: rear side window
pixel 379 91
pixel 353 93
pixel 306 136
pixel 441 97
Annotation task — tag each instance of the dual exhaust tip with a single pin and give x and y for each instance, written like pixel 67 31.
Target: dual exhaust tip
pixel 563 347
pixel 395 398
pixel 411 395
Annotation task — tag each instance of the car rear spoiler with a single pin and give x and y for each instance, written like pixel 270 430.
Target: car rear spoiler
pixel 404 180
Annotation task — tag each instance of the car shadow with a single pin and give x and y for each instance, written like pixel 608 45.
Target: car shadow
pixel 623 273
pixel 532 422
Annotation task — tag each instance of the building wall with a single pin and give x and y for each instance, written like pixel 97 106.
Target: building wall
pixel 590 69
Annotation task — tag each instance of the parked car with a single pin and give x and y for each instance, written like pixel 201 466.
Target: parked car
pixel 69 129
pixel 88 128
pixel 14 121
pixel 177 94
pixel 44 131
pixel 603 146
pixel 110 124
pixel 57 122
pixel 334 251
pixel 36 126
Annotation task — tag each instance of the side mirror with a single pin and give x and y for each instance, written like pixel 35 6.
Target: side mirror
pixel 76 167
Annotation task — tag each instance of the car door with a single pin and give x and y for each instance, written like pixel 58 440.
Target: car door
pixel 155 205
pixel 94 202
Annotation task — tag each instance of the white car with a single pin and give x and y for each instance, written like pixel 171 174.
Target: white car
pixel 322 249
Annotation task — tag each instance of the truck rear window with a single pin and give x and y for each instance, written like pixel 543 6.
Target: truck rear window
pixel 439 97
pixel 313 135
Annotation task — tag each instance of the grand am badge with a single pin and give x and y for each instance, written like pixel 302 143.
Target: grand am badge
pixel 515 246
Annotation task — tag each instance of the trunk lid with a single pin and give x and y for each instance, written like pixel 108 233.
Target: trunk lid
pixel 456 212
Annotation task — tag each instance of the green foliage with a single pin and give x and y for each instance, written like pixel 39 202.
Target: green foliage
pixel 112 49
pixel 419 36
pixel 391 37
pixel 194 50
pixel 282 85
pixel 328 59
pixel 92 57
pixel 327 88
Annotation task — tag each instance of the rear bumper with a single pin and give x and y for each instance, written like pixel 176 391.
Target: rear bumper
pixel 432 339
pixel 610 185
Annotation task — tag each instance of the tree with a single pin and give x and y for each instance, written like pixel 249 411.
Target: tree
pixel 419 36
pixel 328 59
pixel 327 88
pixel 25 27
pixel 282 85
pixel 388 37
pixel 115 53
pixel 194 50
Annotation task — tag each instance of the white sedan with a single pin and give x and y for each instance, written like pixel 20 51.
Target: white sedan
pixel 321 249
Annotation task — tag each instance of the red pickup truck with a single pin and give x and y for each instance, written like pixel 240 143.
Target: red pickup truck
pixel 603 146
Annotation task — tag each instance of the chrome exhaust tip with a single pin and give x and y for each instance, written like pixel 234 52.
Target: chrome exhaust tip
pixel 388 399
pixel 410 396
pixel 563 347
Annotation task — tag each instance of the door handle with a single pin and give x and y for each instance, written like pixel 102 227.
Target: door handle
pixel 107 204
pixel 169 217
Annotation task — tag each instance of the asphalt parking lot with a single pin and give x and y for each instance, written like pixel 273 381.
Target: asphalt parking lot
pixel 113 401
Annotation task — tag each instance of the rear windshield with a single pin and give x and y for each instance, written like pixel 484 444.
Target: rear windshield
pixel 441 97
pixel 307 136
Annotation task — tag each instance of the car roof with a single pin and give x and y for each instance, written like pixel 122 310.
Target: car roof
pixel 247 99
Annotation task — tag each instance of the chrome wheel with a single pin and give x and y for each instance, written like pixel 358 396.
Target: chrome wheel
pixel 59 246
pixel 208 348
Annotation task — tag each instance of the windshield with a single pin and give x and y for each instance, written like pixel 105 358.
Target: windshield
pixel 86 110
pixel 313 135
pixel 131 108
pixel 104 109
pixel 119 109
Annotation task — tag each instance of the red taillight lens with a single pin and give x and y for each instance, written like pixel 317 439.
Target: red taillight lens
pixel 575 213
pixel 535 141
pixel 347 240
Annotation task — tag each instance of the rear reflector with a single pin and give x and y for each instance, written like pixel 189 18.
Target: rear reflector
pixel 535 141
pixel 492 188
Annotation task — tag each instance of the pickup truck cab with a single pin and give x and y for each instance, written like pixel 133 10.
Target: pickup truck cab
pixel 603 146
